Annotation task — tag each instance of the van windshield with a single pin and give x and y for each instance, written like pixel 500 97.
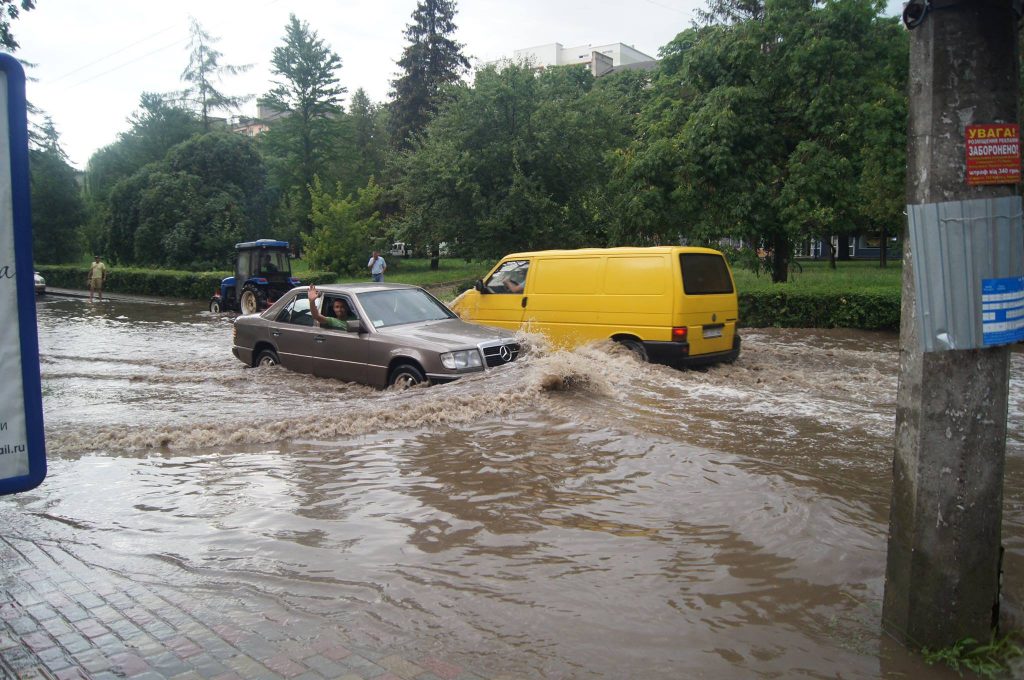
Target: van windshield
pixel 705 274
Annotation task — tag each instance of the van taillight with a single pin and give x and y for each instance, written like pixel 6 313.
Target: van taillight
pixel 679 334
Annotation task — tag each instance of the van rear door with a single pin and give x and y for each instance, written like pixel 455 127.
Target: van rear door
pixel 708 306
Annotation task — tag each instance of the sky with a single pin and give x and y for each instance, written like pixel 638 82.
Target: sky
pixel 93 60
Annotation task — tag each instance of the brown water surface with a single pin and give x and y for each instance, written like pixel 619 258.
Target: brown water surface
pixel 577 514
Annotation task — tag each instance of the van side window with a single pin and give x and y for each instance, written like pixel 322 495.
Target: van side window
pixel 510 277
pixel 704 274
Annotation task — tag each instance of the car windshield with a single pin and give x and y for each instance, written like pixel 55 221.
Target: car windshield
pixel 407 305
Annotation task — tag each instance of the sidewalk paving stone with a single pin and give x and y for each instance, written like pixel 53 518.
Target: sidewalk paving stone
pixel 61 619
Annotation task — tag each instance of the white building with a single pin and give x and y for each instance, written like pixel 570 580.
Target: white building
pixel 602 59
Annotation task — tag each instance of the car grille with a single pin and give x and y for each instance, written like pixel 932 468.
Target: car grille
pixel 495 357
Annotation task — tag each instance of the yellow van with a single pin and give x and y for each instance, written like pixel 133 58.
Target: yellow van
pixel 671 304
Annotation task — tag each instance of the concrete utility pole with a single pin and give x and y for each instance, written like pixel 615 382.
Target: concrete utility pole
pixel 942 572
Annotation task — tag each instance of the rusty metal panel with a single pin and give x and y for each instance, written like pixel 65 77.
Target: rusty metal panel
pixel 960 248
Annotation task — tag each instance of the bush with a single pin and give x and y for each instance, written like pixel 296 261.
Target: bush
pixel 157 282
pixel 789 309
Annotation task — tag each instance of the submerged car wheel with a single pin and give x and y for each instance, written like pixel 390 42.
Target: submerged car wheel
pixel 267 357
pixel 215 306
pixel 250 301
pixel 404 376
pixel 635 347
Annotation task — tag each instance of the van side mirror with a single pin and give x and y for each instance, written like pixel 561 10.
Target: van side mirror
pixel 354 326
pixel 479 285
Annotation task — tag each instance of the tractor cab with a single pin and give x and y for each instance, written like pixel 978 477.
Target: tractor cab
pixel 263 272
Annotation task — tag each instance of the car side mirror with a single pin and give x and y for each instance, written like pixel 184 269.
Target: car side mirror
pixel 479 285
pixel 354 326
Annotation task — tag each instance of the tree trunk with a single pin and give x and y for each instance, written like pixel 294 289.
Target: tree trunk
pixel 844 248
pixel 435 257
pixel 780 258
pixel 883 252
pixel 831 254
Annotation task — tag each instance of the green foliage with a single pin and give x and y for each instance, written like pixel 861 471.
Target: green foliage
pixel 815 276
pixel 786 308
pixel 57 207
pixel 516 162
pixel 203 68
pixel 9 11
pixel 346 229
pixel 781 123
pixel 157 282
pixel 430 64
pixel 188 210
pixel 988 661
pixel 155 129
pixel 308 96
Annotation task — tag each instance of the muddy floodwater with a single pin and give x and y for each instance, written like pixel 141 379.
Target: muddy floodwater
pixel 576 514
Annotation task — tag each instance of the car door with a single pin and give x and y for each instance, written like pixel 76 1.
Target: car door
pixel 293 333
pixel 338 353
pixel 507 289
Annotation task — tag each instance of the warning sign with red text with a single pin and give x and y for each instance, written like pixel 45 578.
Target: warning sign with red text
pixel 993 153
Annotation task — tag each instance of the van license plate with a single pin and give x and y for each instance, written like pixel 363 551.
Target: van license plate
pixel 712 331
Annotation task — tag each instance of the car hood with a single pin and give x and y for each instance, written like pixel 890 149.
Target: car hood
pixel 451 333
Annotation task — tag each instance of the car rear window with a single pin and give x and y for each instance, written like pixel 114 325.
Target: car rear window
pixel 705 274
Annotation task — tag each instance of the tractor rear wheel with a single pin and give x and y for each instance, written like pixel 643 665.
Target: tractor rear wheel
pixel 251 301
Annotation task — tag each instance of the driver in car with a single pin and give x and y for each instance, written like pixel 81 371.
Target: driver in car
pixel 340 309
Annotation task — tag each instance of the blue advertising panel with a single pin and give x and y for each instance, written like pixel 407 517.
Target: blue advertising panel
pixel 22 447
pixel 1002 318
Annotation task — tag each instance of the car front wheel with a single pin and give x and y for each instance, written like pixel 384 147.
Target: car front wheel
pixel 267 357
pixel 404 376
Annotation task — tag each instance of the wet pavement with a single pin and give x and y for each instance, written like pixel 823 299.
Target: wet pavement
pixel 575 515
pixel 64 619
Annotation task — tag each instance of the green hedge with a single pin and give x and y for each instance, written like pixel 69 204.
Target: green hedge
pixel 158 282
pixel 785 309
pixel 780 308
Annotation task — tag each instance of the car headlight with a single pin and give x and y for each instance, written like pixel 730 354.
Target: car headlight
pixel 461 360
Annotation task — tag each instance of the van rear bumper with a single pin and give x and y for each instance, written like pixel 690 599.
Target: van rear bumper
pixel 678 353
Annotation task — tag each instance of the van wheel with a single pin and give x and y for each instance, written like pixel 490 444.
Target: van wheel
pixel 405 376
pixel 635 347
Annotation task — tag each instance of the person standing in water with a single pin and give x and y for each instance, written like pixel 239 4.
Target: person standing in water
pixel 97 277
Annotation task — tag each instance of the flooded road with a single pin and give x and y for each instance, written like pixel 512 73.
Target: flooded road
pixel 576 514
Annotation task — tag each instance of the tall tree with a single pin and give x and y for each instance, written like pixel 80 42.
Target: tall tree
pixel 203 69
pixel 9 11
pixel 57 208
pixel 307 95
pixel 156 127
pixel 430 62
pixel 757 129
pixel 189 209
pixel 517 162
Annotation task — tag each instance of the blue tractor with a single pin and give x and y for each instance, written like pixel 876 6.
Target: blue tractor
pixel 263 272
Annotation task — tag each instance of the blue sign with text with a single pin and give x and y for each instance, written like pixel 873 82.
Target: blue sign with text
pixel 1002 311
pixel 22 445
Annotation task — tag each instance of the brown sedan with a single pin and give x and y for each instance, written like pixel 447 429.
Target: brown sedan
pixel 394 334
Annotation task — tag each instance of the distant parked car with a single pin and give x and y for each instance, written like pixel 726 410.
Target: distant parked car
pixel 396 335
pixel 40 284
pixel 400 249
